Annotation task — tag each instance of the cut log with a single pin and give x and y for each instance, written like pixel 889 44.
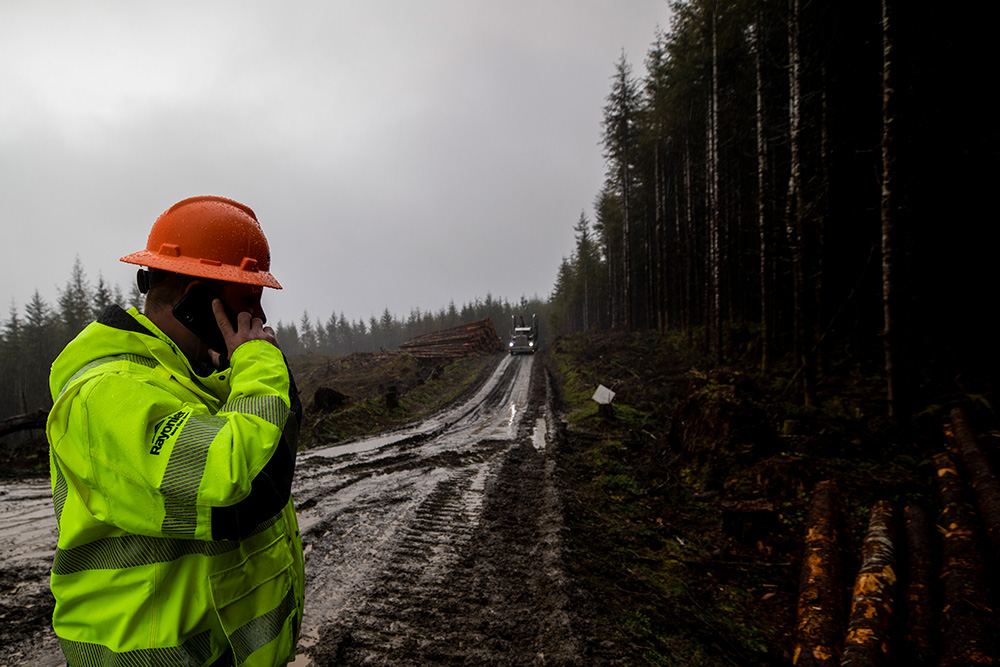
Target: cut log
pixel 968 626
pixel 460 341
pixel 919 636
pixel 819 615
pixel 873 598
pixel 981 475
pixel 23 422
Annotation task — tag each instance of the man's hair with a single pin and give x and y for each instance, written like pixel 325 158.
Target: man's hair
pixel 165 288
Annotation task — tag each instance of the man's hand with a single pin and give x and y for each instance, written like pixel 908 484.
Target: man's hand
pixel 248 328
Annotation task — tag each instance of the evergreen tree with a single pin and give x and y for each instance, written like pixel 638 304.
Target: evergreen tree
pixel 589 273
pixel 41 342
pixel 319 335
pixel 136 299
pixel 360 334
pixel 75 301
pixel 103 296
pixel 288 337
pixel 346 333
pixel 388 326
pixel 621 115
pixel 561 316
pixel 374 333
pixel 608 227
pixel 307 336
pixel 333 334
pixel 11 361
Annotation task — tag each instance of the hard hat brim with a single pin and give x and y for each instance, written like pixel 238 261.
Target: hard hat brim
pixel 201 269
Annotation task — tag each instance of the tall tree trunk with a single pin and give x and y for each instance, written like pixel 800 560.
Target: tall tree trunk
pixel 649 271
pixel 710 286
pixel 659 236
pixel 765 291
pixel 894 213
pixel 822 206
pixel 689 244
pixel 796 214
pixel 612 268
pixel 626 242
pixel 678 268
pixel 715 322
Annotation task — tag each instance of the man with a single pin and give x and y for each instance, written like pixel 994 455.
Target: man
pixel 172 461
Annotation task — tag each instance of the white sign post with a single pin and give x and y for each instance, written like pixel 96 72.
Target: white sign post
pixel 603 395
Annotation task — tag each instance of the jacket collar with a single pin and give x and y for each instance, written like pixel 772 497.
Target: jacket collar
pixel 153 339
pixel 116 318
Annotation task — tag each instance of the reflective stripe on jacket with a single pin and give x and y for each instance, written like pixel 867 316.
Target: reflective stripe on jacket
pixel 178 540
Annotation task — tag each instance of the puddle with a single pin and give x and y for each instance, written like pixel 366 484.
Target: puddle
pixel 540 436
pixel 354 447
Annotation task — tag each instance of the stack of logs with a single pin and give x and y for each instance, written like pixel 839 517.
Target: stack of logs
pixel 941 610
pixel 460 341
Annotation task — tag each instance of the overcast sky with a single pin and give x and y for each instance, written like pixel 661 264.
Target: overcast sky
pixel 398 154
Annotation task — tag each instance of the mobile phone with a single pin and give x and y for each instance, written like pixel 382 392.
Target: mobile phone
pixel 194 310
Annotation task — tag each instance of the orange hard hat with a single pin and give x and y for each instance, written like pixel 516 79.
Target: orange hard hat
pixel 209 237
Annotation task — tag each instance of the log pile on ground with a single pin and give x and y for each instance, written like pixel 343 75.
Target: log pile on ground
pixel 25 422
pixel 942 584
pixel 966 623
pixel 919 611
pixel 873 597
pixel 981 475
pixel 818 630
pixel 456 342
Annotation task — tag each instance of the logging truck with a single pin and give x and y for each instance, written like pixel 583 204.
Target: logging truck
pixel 523 338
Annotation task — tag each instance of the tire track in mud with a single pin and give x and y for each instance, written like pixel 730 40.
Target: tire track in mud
pixel 383 531
pixel 417 577
pixel 399 505
pixel 475 576
pixel 470 585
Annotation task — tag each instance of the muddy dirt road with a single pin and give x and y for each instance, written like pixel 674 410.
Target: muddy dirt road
pixel 435 544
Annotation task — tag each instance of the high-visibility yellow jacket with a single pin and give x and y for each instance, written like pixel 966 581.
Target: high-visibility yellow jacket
pixel 178 540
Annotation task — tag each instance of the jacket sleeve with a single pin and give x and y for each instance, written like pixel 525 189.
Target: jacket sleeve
pixel 146 460
pixel 271 488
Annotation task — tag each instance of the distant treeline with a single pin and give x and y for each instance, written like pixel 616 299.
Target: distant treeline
pixel 338 335
pixel 30 341
pixel 800 181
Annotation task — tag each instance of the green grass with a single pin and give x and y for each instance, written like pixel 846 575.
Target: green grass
pixel 640 553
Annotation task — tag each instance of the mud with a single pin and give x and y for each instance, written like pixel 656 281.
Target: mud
pixel 439 543
pixel 27 544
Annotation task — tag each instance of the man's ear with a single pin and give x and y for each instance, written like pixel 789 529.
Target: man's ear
pixel 192 283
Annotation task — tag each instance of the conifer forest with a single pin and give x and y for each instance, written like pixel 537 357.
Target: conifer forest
pixel 804 182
